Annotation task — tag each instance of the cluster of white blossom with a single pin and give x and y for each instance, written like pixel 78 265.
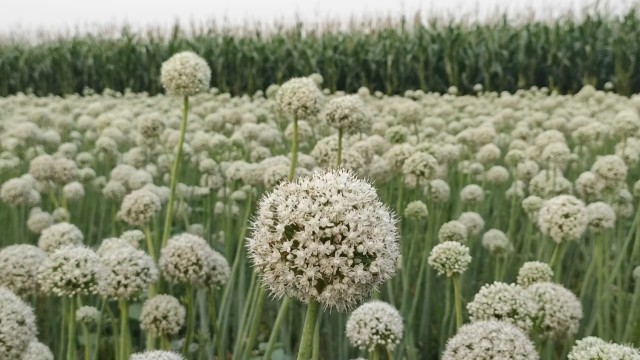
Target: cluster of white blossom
pixel 326 238
pixel 487 340
pixel 375 324
pixel 593 348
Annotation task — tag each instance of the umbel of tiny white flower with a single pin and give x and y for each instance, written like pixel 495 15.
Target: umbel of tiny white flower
pixel 87 315
pixel 487 340
pixel 348 113
pixel 299 97
pixel 59 235
pixel 325 238
pixel 139 207
pixel 563 218
pixel 18 191
pixel 453 231
pixel 189 259
pixel 532 272
pixel 450 258
pixel 128 272
pixel 593 348
pixel 162 315
pixel 559 310
pixel 19 268
pixel 37 351
pixel 374 325
pixel 505 302
pixel 185 74
pixel 70 271
pixel 17 325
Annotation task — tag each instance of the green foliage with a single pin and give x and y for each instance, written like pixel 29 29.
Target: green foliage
pixel 391 57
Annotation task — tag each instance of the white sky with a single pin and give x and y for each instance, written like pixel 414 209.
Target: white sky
pixel 26 16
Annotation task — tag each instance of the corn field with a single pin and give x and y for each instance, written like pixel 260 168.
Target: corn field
pixel 389 56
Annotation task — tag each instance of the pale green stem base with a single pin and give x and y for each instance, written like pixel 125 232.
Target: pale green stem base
pixel 306 342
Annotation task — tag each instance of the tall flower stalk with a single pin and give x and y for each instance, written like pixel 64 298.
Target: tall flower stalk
pixel 175 168
pixel 184 74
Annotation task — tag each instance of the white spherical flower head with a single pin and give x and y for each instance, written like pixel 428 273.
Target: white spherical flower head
pixel 611 168
pixel 219 272
pixel 450 258
pixel 453 231
pixel 61 215
pixel 416 210
pixel 559 310
pixel 65 170
pixel 472 194
pixel 375 324
pixel 589 185
pixel 601 216
pixel 563 218
pixel 185 74
pixel 398 154
pixel 42 168
pixel 326 237
pixel 71 271
pixel 150 125
pixel 162 315
pixel 73 191
pixel 532 205
pixel 59 235
pixel 39 220
pixel 489 340
pixel 533 272
pixel 299 97
pixel 348 113
pixel 593 348
pixel 503 302
pixel 87 315
pixel 188 258
pixel 547 184
pixel 113 243
pixel 139 207
pixel 19 268
pixel 496 242
pixel 17 325
pixel 473 221
pixel 37 351
pixel 129 271
pixel 18 191
pixel 419 168
pixel 133 237
pixel 438 190
pixel 156 355
pixel 497 175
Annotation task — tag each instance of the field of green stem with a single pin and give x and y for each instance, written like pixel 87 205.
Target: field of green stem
pixel 300 223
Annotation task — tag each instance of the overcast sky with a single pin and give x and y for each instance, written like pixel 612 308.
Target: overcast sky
pixel 20 16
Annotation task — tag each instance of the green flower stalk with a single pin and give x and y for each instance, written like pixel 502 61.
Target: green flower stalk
pixel 184 74
pixel 306 342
